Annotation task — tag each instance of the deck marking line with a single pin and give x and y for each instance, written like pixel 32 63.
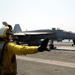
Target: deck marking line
pixel 45 61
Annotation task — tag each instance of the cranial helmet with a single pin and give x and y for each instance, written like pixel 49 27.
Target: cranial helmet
pixel 4 31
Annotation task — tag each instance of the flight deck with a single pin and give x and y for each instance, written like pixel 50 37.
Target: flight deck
pixel 60 61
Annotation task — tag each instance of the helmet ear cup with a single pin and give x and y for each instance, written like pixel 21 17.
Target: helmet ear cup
pixel 3 32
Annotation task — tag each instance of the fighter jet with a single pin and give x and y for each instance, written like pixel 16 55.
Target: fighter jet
pixel 34 37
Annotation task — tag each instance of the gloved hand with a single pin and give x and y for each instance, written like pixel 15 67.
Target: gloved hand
pixel 43 46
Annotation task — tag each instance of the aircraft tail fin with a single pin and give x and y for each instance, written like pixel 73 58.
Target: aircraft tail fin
pixel 17 28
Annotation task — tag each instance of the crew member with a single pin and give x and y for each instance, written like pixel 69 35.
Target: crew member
pixel 9 50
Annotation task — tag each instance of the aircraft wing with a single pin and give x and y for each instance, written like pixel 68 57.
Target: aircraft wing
pixel 32 38
pixel 33 33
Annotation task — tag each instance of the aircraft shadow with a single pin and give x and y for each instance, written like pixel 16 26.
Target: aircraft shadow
pixel 63 49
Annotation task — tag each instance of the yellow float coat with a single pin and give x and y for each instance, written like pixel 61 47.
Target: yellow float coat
pixel 9 65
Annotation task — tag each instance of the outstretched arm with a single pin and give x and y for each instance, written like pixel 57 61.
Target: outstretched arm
pixel 23 50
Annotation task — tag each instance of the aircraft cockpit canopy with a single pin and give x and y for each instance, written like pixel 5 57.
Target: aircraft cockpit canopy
pixel 53 28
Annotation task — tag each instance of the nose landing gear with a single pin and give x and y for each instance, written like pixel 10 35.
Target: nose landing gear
pixel 51 45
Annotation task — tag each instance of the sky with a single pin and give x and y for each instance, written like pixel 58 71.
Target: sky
pixel 39 14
